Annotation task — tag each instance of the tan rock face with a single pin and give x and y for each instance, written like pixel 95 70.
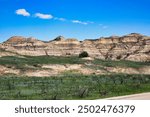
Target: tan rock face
pixel 5 70
pixel 133 47
pixel 143 70
pixel 15 40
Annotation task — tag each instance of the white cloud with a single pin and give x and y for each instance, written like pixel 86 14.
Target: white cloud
pixel 49 16
pixel 103 26
pixel 79 22
pixel 60 19
pixel 22 12
pixel 43 16
pixel 90 22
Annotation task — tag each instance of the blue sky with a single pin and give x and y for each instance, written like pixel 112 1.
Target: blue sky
pixel 81 19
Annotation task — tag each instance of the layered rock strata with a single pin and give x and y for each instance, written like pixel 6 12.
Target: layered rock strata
pixel 135 47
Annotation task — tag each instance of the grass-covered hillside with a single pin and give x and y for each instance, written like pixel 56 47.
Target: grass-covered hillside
pixel 21 62
pixel 69 84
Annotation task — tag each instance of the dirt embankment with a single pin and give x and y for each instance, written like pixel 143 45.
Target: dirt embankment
pixel 57 69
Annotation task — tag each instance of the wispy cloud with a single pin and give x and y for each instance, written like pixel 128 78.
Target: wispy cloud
pixel 103 26
pixel 60 19
pixel 43 16
pixel 22 12
pixel 90 22
pixel 49 16
pixel 79 22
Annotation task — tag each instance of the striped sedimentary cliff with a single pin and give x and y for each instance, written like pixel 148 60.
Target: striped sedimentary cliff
pixel 135 47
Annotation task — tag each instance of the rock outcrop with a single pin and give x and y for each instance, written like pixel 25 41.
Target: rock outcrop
pixel 135 47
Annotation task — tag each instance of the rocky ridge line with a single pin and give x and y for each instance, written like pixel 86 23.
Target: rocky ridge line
pixel 134 47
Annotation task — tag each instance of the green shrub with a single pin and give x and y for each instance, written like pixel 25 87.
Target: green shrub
pixel 83 54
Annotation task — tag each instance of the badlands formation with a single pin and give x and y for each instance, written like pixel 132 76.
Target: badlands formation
pixel 134 47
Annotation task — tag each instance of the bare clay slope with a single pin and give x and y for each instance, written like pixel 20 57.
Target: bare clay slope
pixel 134 47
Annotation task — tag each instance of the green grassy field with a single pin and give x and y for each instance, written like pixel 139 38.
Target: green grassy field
pixel 22 62
pixel 72 86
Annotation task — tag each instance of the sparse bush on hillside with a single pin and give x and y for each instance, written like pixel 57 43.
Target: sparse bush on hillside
pixel 83 54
